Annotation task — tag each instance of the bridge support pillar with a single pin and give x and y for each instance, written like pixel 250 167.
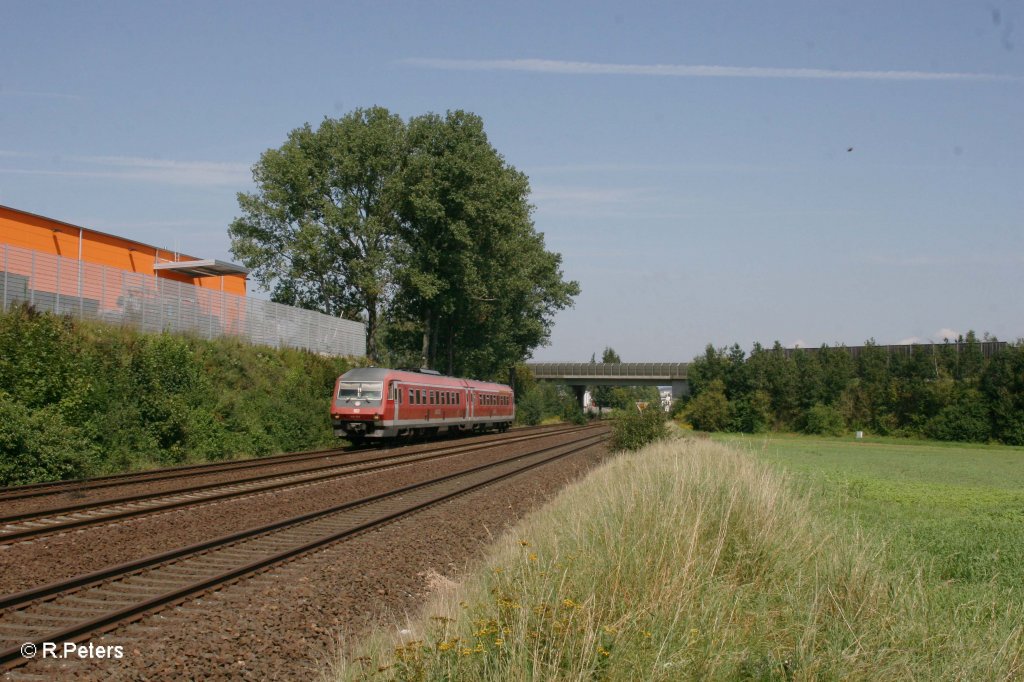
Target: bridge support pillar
pixel 680 389
pixel 579 391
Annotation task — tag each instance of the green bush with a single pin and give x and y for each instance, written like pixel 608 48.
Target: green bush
pixel 37 445
pixel 824 420
pixel 709 411
pixel 530 410
pixel 573 413
pixel 751 414
pixel 966 419
pixel 83 399
pixel 633 429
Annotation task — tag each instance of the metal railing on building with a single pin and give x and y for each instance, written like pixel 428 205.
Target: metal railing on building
pixel 67 286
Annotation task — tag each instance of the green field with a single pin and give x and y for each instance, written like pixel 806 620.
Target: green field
pixel 957 509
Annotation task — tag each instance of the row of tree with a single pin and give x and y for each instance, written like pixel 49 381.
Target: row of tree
pixel 420 228
pixel 946 391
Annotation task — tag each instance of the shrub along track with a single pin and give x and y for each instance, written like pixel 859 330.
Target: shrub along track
pixel 41 494
pixel 75 610
pixel 33 524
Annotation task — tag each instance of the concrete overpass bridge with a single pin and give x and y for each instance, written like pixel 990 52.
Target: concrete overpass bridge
pixel 579 375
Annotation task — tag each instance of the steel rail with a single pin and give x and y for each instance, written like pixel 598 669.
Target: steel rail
pixel 307 476
pixel 83 629
pixel 21 492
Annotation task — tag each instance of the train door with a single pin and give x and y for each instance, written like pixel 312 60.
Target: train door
pixel 395 394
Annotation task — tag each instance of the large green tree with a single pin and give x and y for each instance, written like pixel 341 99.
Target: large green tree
pixel 475 277
pixel 421 229
pixel 319 231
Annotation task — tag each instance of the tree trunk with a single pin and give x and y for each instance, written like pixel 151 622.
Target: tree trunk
pixel 371 329
pixel 451 356
pixel 433 344
pixel 426 340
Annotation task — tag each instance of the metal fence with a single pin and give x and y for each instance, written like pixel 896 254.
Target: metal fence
pixel 67 286
pixel 661 370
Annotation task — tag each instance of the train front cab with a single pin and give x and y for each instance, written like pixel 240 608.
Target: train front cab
pixel 358 409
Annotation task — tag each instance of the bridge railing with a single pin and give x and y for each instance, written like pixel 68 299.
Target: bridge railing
pixel 549 370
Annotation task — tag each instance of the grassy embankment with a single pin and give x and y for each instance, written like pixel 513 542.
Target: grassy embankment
pixel 697 560
pixel 83 399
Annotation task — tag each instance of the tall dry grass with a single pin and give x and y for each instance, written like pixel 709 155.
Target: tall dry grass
pixel 692 560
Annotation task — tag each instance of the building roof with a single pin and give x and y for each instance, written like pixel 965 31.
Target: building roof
pixel 203 268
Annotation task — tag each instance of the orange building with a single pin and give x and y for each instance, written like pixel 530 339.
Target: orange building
pixel 75 270
pixel 38 233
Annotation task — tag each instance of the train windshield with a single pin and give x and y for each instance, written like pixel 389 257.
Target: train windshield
pixel 361 390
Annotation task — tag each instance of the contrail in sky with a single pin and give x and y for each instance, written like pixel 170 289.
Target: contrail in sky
pixel 692 70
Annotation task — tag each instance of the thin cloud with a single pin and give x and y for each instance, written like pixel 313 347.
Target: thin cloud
pixel 38 93
pixel 941 336
pixel 138 169
pixel 552 66
pixel 910 260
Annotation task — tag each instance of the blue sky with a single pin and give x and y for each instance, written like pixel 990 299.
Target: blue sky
pixel 689 160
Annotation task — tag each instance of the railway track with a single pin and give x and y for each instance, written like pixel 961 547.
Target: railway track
pixel 38 523
pixel 23 492
pixel 74 610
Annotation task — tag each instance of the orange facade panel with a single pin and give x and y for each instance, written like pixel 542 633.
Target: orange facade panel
pixel 38 233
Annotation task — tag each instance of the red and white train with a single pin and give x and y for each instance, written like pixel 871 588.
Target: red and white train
pixel 374 402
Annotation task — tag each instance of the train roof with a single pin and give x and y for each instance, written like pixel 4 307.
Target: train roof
pixel 382 373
